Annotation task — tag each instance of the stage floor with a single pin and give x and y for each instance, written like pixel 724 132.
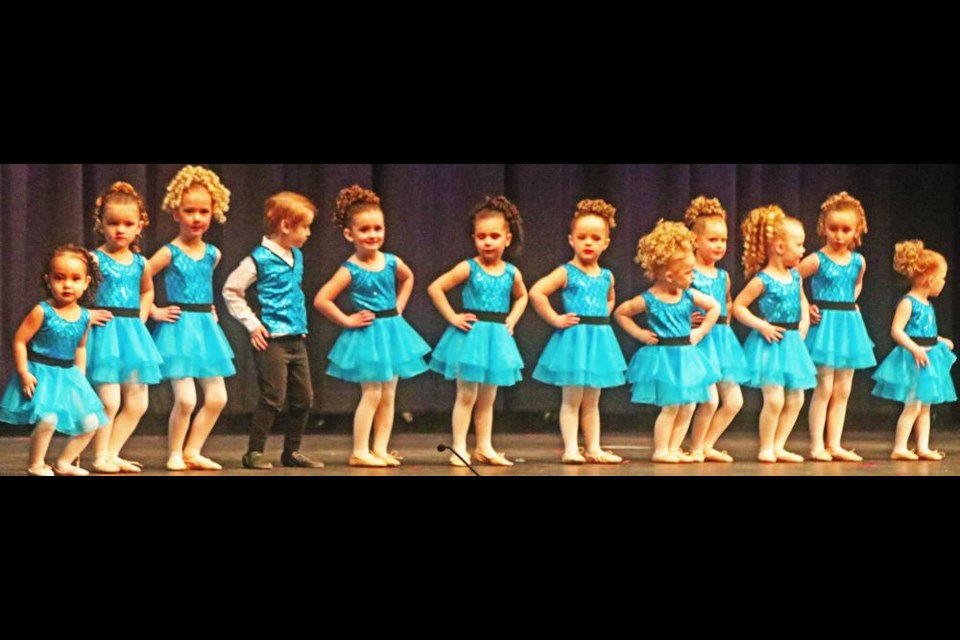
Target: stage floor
pixel 535 454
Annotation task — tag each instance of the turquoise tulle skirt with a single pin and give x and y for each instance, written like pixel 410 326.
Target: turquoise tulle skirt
pixel 194 347
pixel 899 378
pixel 487 354
pixel 63 398
pixel 389 348
pixel 122 353
pixel 725 353
pixel 784 364
pixel 841 341
pixel 582 356
pixel 668 376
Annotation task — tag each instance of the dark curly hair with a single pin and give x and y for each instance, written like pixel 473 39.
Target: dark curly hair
pixel 351 201
pixel 500 206
pixel 90 295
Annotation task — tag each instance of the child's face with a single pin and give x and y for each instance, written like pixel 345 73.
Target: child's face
pixel 121 224
pixel 195 213
pixel 297 233
pixel 792 243
pixel 841 229
pixel 491 235
pixel 367 230
pixel 67 279
pixel 590 238
pixel 679 272
pixel 711 240
pixel 938 281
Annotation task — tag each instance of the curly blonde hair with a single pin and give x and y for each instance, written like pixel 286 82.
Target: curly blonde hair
pixel 657 249
pixel 599 208
pixel 190 176
pixel 351 201
pixel 701 209
pixel 843 201
pixel 911 259
pixel 761 227
pixel 120 193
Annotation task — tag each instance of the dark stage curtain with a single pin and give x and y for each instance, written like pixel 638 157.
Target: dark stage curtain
pixel 426 206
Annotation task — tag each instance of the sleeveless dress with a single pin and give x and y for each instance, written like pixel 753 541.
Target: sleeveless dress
pixel 585 355
pixel 387 349
pixel 63 397
pixel 487 354
pixel 671 374
pixel 899 378
pixel 194 346
pixel 786 363
pixel 123 351
pixel 721 345
pixel 840 341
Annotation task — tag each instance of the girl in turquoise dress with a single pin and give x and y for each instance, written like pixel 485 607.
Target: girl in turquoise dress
pixel 478 349
pixel 378 346
pixel 838 341
pixel 188 334
pixel 670 372
pixel 778 361
pixel 583 356
pixel 51 390
pixel 123 359
pixel 707 219
pixel 917 371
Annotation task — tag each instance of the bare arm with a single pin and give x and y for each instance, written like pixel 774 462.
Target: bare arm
pixel 741 311
pixel 326 297
pixel 712 307
pixel 25 333
pixel 808 267
pixel 81 357
pixel 438 294
pixel 157 264
pixel 405 280
pixel 858 289
pixel 540 299
pixel 146 293
pixel 899 334
pixel 520 300
pixel 624 316
pixel 804 313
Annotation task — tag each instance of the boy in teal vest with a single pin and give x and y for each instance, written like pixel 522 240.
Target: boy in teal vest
pixel 279 335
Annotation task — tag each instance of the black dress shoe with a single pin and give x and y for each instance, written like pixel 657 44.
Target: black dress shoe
pixel 297 459
pixel 254 460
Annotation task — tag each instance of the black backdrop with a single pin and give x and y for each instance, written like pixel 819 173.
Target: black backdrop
pixel 426 206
